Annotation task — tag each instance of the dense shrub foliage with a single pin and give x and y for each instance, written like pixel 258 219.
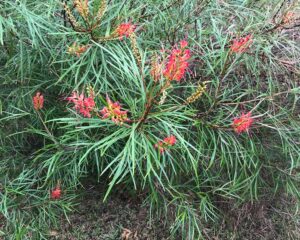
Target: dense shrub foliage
pixel 189 102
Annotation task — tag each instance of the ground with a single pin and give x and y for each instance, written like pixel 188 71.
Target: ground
pixel 128 218
pixel 119 217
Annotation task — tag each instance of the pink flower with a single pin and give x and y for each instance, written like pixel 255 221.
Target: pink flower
pixel 177 62
pixel 183 44
pixel 243 123
pixel 125 29
pixel 114 112
pixel 56 193
pixel 38 101
pixel 162 146
pixel 240 45
pixel 82 104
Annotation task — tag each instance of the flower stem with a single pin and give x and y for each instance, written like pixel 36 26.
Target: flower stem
pixel 47 130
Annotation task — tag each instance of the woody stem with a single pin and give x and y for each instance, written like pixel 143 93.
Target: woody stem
pixel 150 103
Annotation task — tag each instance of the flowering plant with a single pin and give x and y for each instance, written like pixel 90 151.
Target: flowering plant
pixel 160 99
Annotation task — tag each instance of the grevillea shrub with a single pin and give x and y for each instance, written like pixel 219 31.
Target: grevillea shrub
pixel 190 102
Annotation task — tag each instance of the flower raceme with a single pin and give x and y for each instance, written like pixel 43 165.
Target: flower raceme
pixel 125 29
pixel 171 140
pixel 156 69
pixel 56 193
pixel 242 123
pixel 240 45
pixel 114 112
pixel 162 146
pixel 82 7
pixel 76 49
pixel 82 104
pixel 38 101
pixel 177 63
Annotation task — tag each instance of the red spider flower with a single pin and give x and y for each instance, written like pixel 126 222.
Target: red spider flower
pixel 243 123
pixel 77 49
pixel 82 104
pixel 114 112
pixel 177 62
pixel 38 101
pixel 166 143
pixel 183 43
pixel 240 45
pixel 125 29
pixel 56 193
pixel 171 140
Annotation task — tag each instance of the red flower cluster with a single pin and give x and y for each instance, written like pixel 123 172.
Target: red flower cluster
pixel 125 29
pixel 38 101
pixel 162 146
pixel 82 104
pixel 56 193
pixel 177 62
pixel 243 123
pixel 114 112
pixel 240 45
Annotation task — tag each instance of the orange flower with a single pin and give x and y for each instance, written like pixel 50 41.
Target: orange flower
pixel 240 45
pixel 243 123
pixel 38 101
pixel 125 29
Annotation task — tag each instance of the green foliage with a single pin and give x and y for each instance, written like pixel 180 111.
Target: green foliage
pixel 209 163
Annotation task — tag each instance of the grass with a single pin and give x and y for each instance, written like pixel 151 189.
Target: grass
pixel 273 218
